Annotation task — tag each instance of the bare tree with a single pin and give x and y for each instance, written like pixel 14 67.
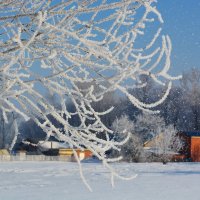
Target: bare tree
pixel 9 130
pixel 146 125
pixel 52 45
pixel 167 144
pixel 163 139
pixel 174 108
pixel 132 150
pixel 122 126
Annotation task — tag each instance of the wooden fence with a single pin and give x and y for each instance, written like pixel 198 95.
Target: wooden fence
pixel 34 158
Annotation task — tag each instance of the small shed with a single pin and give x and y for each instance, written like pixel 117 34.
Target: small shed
pixel 191 148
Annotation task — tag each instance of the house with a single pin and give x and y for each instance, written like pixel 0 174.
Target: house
pixel 191 145
pixel 62 149
pixel 162 148
pixel 82 154
pixel 4 154
pixel 51 148
pixel 51 145
pixel 190 150
pixel 150 144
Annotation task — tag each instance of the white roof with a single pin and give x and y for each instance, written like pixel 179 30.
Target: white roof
pixel 46 145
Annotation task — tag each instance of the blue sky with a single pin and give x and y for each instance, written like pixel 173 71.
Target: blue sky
pixel 182 23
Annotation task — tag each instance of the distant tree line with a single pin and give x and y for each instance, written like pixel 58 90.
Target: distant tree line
pixel 181 110
pixel 182 106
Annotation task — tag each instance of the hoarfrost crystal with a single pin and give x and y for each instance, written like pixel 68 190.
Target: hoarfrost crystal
pixel 53 46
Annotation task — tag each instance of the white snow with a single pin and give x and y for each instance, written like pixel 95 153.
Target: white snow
pixel 61 181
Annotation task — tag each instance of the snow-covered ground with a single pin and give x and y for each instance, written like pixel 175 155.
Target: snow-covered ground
pixel 61 181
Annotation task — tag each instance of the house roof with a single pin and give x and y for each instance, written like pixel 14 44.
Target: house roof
pixel 152 142
pixel 46 145
pixel 191 133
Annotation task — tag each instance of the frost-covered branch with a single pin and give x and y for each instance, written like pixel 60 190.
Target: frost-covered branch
pixel 52 46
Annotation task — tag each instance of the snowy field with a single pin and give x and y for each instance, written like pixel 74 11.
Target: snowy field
pixel 61 181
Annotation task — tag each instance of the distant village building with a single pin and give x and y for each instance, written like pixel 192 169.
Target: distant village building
pixel 158 149
pixel 190 150
pixel 63 150
pixel 53 149
pixel 191 147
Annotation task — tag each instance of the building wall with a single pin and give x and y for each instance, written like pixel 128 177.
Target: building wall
pixel 186 149
pixel 81 154
pixel 195 149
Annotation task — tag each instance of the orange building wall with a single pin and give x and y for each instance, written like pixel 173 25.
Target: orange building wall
pixel 69 152
pixel 87 153
pixel 195 149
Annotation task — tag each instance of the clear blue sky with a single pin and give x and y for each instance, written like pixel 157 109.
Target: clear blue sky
pixel 182 23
